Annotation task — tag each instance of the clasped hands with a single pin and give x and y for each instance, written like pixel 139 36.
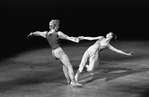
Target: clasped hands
pixel 79 38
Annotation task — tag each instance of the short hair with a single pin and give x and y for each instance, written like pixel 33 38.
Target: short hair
pixel 54 23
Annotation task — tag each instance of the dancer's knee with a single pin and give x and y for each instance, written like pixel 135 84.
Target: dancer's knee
pixel 89 69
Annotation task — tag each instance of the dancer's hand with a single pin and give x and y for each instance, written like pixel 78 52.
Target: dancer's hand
pixel 81 37
pixel 130 54
pixel 29 35
pixel 77 40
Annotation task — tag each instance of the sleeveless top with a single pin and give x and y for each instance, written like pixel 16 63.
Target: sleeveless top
pixel 100 47
pixel 53 40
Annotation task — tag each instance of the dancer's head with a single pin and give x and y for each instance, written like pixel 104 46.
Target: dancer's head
pixel 110 35
pixel 54 24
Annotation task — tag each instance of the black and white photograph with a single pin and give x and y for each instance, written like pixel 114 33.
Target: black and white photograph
pixel 74 48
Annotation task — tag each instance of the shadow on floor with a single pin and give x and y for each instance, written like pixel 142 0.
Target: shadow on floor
pixel 111 73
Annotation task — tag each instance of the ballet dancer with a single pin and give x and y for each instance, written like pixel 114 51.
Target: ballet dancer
pixel 53 36
pixel 91 55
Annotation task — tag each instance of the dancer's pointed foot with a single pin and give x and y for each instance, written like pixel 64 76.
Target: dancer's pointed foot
pixel 76 84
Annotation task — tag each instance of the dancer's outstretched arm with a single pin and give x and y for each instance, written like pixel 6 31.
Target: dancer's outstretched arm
pixel 90 38
pixel 38 33
pixel 64 36
pixel 119 51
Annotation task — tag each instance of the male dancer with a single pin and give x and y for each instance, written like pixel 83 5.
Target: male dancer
pixel 53 37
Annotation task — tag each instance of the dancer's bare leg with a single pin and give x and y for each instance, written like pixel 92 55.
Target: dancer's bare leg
pixel 66 62
pixel 60 55
pixel 82 65
pixel 65 71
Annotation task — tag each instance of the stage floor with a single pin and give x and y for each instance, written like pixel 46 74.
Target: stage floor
pixel 35 73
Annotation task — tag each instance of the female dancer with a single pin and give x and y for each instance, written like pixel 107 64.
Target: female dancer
pixel 91 54
pixel 53 37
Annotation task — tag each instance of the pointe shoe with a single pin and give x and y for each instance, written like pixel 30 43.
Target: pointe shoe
pixel 78 84
pixel 75 84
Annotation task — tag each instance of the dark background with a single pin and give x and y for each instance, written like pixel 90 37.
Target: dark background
pixel 128 19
